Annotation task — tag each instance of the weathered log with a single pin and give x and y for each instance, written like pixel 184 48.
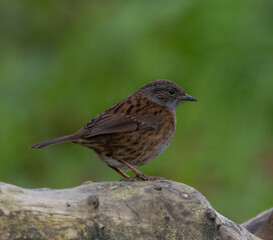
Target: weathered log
pixel 113 210
pixel 261 225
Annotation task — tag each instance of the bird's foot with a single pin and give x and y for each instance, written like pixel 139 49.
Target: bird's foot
pixel 149 178
pixel 143 178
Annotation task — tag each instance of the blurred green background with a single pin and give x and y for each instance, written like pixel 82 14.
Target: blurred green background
pixel 63 62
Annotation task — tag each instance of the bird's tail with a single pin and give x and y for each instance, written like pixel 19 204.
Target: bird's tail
pixel 68 138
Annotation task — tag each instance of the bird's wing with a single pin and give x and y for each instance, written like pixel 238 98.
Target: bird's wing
pixel 112 121
pixel 109 123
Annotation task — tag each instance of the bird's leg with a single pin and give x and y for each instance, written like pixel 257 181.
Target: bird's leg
pixel 120 172
pixel 139 174
pixel 126 177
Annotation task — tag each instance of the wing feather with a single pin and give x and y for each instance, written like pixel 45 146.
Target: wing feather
pixel 112 121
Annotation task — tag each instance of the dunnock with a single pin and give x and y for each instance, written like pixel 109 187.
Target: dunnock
pixel 135 130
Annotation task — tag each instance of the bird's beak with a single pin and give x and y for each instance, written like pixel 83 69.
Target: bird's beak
pixel 187 97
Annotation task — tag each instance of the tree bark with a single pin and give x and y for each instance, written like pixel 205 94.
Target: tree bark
pixel 113 210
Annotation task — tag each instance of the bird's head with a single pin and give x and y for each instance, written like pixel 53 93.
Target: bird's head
pixel 166 93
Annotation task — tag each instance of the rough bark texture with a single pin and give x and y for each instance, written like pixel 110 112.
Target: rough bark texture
pixel 113 210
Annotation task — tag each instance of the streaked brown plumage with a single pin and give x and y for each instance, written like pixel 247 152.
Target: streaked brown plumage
pixel 135 130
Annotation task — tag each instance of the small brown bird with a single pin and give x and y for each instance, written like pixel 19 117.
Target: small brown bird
pixel 134 131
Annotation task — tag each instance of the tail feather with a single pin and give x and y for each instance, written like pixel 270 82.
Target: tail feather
pixel 68 138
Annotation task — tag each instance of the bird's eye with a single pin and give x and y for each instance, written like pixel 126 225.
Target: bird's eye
pixel 171 91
